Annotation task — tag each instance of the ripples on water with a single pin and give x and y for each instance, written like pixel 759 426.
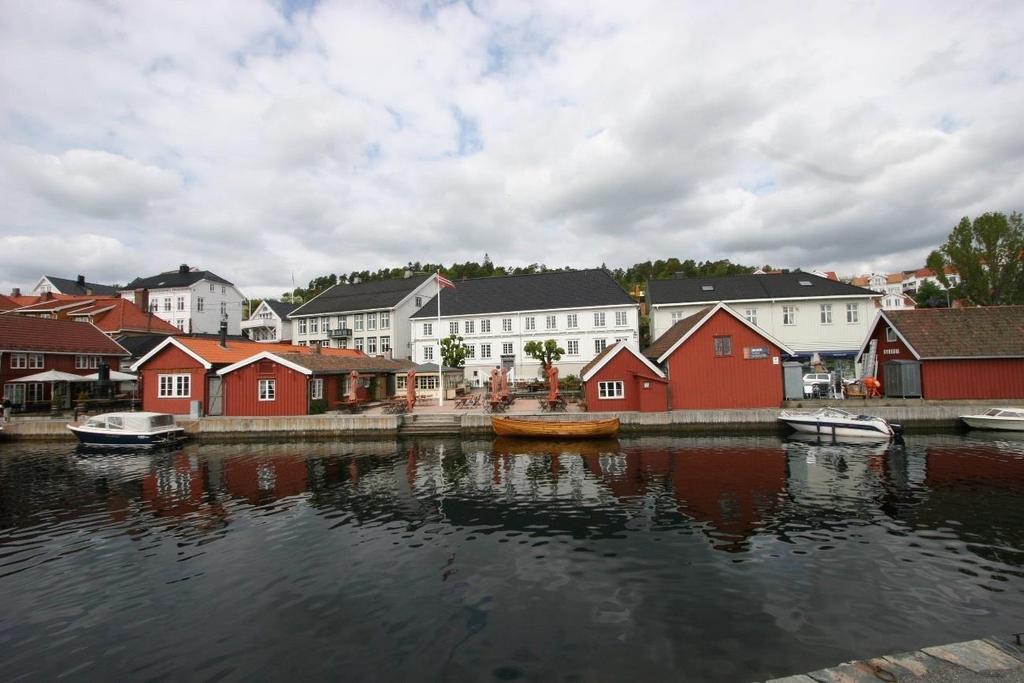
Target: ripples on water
pixel 698 558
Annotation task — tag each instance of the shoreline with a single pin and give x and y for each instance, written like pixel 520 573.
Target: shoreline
pixel 917 417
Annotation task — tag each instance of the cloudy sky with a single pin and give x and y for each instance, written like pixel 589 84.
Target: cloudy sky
pixel 266 140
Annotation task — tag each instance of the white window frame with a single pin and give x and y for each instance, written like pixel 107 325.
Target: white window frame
pixel 223 307
pixel 621 318
pixel 612 389
pixel 36 361
pixel 550 322
pixel 751 316
pixel 852 313
pixel 174 385
pixel 180 303
pixel 302 325
pixel 600 345
pixel 572 347
pixel 266 389
pixel 385 344
pixel 530 323
pixel 572 321
pixel 19 361
pixel 470 327
pixel 385 320
pixel 357 322
pixel 359 343
pixel 371 322
pixel 826 314
pixel 371 345
pixel 789 315
pixel 314 325
pixel 485 326
pixel 428 353
pixel 506 324
pixel 428 329
pixel 453 327
pixel 485 350
pixel 83 362
pixel 890 335
pixel 471 351
pixel 599 320
pixel 167 303
pixel 316 389
pixel 199 304
pixel 507 349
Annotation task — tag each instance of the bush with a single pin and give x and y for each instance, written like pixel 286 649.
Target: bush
pixel 317 407
pixel 569 383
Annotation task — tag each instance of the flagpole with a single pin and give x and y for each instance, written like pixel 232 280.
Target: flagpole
pixel 440 364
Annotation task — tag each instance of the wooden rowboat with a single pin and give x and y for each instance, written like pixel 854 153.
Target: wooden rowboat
pixel 593 429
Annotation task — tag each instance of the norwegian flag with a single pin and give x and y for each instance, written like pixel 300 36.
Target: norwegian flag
pixel 442 281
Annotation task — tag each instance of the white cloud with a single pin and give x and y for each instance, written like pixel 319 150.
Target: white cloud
pixel 353 135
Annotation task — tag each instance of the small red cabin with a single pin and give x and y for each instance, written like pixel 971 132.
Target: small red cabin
pixel 619 378
pixel 965 353
pixel 715 359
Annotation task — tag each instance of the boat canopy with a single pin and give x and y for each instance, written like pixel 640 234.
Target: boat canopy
pixel 131 422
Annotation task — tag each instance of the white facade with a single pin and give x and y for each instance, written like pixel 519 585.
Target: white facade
pixel 265 325
pixel 582 332
pixel 823 324
pixel 197 308
pixel 892 288
pixel 375 331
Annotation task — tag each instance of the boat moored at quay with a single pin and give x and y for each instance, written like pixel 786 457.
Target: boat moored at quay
pixel 128 430
pixel 835 422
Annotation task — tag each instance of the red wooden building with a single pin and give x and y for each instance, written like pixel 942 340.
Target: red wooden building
pixel 620 378
pixel 965 353
pixel 274 383
pixel 717 359
pixel 31 346
pixel 181 370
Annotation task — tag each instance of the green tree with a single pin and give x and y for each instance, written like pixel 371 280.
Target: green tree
pixel 988 255
pixel 453 351
pixel 547 352
pixel 930 295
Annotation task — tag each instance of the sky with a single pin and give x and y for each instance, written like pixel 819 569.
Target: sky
pixel 273 141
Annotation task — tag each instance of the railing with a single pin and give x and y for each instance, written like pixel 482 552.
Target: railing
pixel 340 332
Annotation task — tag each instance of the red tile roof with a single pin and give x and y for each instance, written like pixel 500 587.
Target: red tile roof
pixel 980 332
pixel 40 335
pixel 122 315
pixel 7 303
pixel 234 351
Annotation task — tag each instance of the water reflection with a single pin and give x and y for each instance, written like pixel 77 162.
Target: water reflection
pixel 728 558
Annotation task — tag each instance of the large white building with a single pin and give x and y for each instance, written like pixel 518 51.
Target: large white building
pixel 583 311
pixel 194 301
pixel 372 317
pixel 806 312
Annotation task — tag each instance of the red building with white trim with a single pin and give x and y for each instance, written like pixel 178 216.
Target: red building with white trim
pixel 717 359
pixel 620 378
pixel 965 353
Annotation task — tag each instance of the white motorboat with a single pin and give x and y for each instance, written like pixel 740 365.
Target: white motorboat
pixel 1007 419
pixel 129 429
pixel 833 422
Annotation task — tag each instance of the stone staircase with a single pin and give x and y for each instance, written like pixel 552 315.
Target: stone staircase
pixel 441 423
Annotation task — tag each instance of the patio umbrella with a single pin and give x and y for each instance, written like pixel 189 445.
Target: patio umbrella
pixel 552 383
pixel 495 386
pixel 115 376
pixel 53 376
pixel 353 383
pixel 410 388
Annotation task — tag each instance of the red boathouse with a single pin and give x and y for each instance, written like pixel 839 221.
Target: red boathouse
pixel 620 378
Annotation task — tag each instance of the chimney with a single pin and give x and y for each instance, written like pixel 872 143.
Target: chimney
pixel 314 348
pixel 46 296
pixel 224 333
pixel 16 291
pixel 81 281
pixel 183 268
pixel 142 299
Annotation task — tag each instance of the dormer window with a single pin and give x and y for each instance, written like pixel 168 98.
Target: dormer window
pixel 805 283
pixel 707 288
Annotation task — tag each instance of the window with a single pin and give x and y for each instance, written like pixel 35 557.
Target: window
pixel 180 324
pixel 723 346
pixel 302 326
pixel 199 303
pixel 550 322
pixel 314 325
pixel 325 324
pixel 316 389
pixel 571 321
pixel 614 389
pixel 751 315
pixel 19 361
pixel 385 344
pixel 326 343
pixel 419 302
pixel 852 313
pixel 359 344
pixel 211 286
pixel 506 324
pixel 426 382
pixel 371 321
pixel 826 314
pixel 531 322
pixel 358 320
pixel 621 318
pixel 470 351
pixel 154 306
pixel 35 361
pixel 485 350
pixel 223 289
pixel 34 392
pixel 87 362
pixel 174 386
pixel 223 308
pixel 599 345
pixel 181 303
pixel 572 347
pixel 267 389
pixel 428 353
pixel 890 335
pixel 428 329
pixel 400 381
pixel 506 349
pixel 167 303
pixel 453 327
pixel 485 326
pixel 789 315
pixel 599 319
pixel 470 326
pixel 371 345
pixel 677 316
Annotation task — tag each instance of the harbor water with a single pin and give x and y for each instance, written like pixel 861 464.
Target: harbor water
pixel 693 558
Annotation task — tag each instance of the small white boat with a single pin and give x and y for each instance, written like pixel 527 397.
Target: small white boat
pixel 833 422
pixel 129 430
pixel 1007 419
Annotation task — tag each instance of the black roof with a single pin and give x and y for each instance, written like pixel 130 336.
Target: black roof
pixel 535 292
pixel 175 278
pixel 281 308
pixel 743 287
pixel 67 286
pixel 140 344
pixel 362 296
